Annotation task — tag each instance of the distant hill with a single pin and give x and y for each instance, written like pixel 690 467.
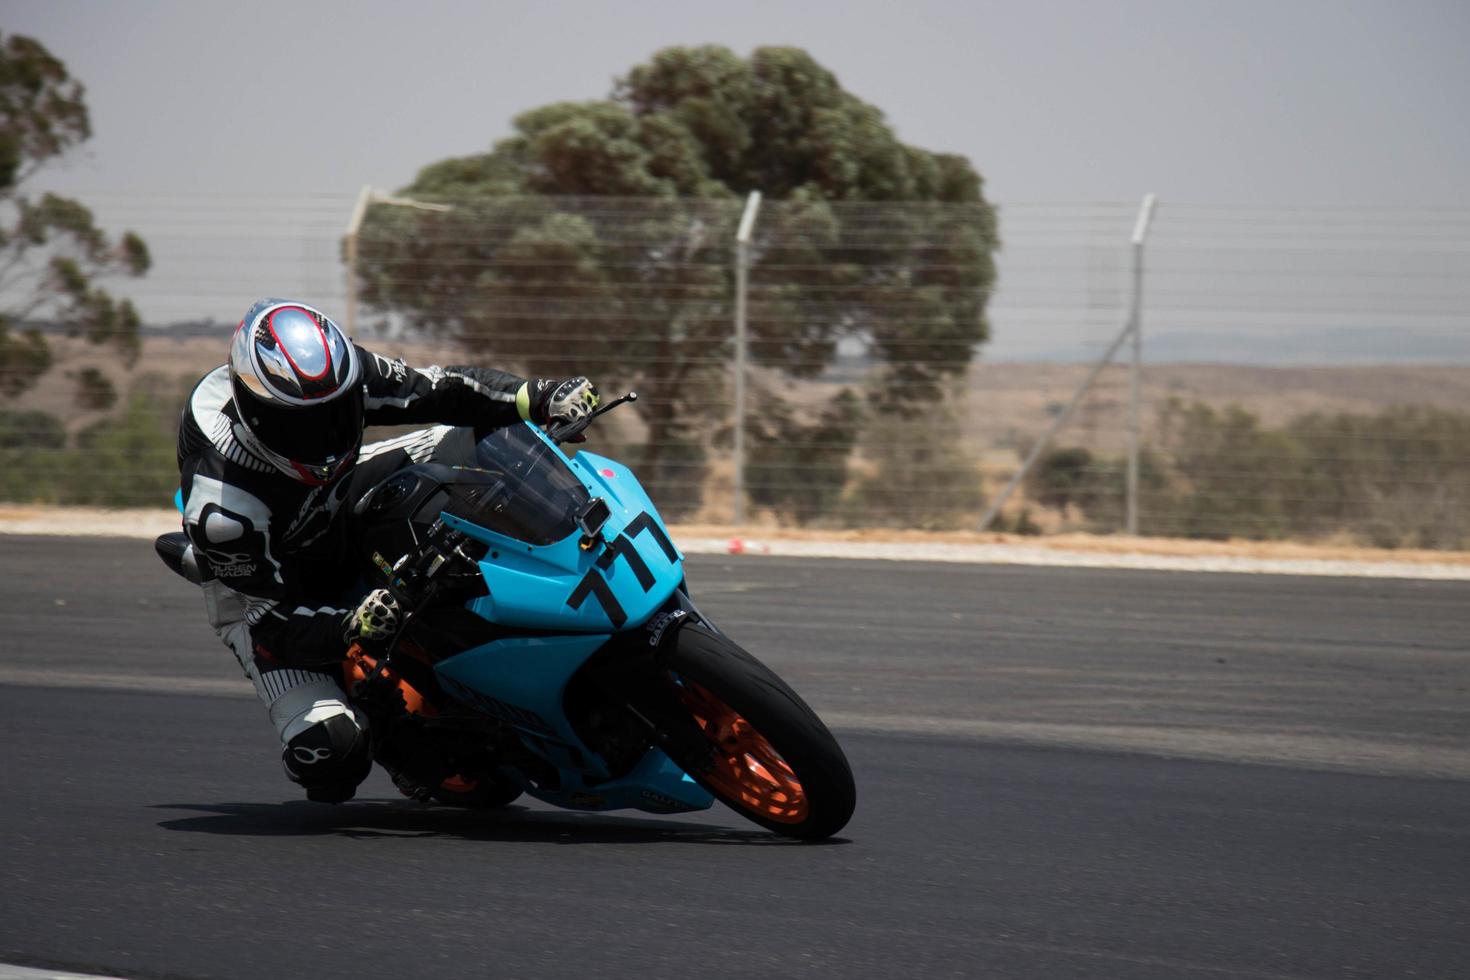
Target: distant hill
pixel 190 328
pixel 1298 346
pixel 180 329
pixel 1012 403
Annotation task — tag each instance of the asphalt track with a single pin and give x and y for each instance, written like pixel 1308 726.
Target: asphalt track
pixel 1293 800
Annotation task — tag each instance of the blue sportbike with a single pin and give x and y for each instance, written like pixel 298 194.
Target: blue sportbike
pixel 550 647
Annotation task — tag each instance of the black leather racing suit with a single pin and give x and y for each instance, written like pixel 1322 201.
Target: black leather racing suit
pixel 277 549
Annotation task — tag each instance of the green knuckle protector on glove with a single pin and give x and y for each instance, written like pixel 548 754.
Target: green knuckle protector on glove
pixel 523 402
pixel 375 619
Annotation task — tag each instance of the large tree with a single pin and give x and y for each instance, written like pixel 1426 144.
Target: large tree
pixel 51 250
pixel 543 263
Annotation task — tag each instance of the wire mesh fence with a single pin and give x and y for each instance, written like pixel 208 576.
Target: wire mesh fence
pixel 1306 379
pixel 1307 371
pixel 851 306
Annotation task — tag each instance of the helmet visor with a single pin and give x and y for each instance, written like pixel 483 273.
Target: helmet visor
pixel 312 435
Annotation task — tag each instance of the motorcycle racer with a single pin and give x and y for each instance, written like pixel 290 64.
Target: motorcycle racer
pixel 270 461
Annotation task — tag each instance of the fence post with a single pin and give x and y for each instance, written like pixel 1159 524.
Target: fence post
pixel 1140 228
pixel 1135 319
pixel 365 198
pixel 742 283
pixel 354 225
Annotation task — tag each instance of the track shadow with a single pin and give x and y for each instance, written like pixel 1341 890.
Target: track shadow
pixel 403 818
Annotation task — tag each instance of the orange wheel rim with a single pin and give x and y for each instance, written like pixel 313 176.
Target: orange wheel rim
pixel 748 770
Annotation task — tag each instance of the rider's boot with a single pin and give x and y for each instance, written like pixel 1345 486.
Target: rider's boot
pixel 329 759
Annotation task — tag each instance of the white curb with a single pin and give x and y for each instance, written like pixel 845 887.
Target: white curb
pixel 151 523
pixel 9 972
pixel 1008 554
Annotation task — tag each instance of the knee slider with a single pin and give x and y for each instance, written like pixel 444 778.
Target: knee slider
pixel 330 755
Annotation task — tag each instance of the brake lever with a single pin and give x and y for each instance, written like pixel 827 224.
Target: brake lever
pixel 562 433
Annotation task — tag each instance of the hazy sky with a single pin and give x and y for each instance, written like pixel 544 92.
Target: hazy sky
pixel 1238 101
pixel 234 137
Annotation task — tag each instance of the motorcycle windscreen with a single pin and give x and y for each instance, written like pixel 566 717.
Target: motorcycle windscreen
pixel 518 487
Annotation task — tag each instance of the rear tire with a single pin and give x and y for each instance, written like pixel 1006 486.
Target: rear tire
pixel 776 763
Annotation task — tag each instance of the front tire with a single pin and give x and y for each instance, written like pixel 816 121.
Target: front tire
pixel 774 762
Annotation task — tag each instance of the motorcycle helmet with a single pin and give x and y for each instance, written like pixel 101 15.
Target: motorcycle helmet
pixel 297 386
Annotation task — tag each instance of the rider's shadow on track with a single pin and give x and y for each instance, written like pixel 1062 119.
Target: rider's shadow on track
pixel 401 818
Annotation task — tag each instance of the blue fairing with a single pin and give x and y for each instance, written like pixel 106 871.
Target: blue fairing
pixel 615 586
pixel 584 596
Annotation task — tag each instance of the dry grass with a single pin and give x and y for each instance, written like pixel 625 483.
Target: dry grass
pixel 1009 405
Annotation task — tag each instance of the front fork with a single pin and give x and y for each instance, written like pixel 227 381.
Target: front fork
pixel 628 671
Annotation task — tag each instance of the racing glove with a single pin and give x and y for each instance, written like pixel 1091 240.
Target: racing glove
pixel 546 401
pixel 374 620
